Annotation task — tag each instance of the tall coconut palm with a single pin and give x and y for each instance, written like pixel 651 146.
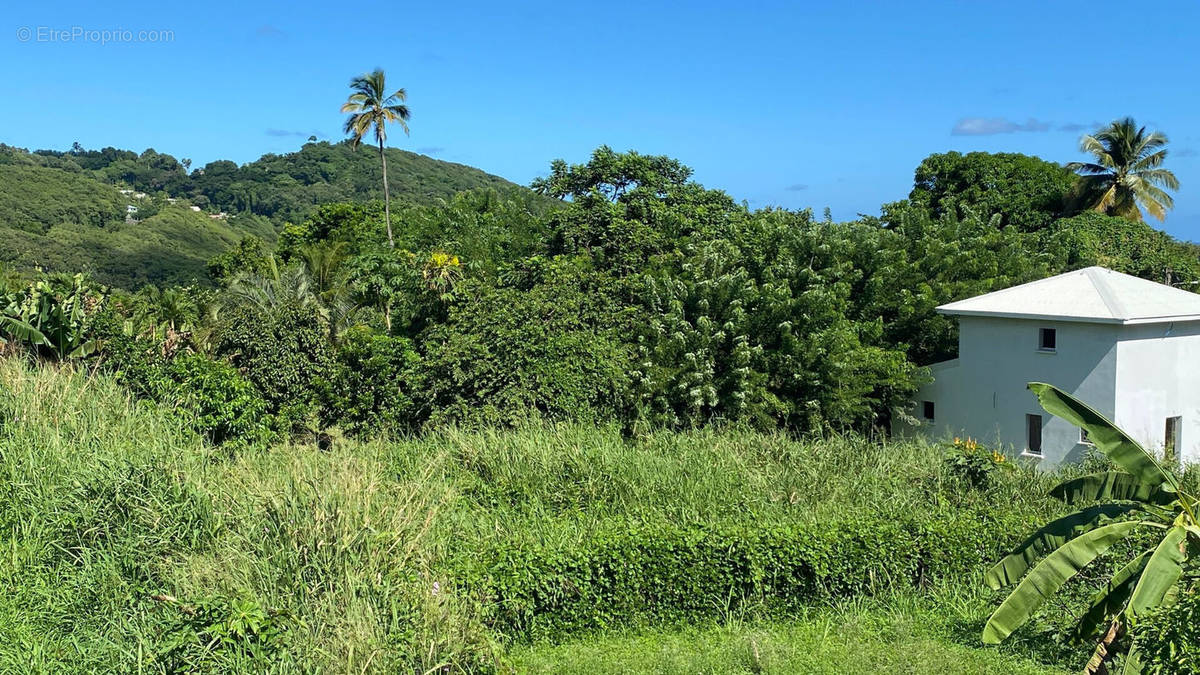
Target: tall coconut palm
pixel 1127 172
pixel 371 107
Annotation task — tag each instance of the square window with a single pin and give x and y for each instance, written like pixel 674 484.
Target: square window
pixel 927 410
pixel 1083 437
pixel 1047 339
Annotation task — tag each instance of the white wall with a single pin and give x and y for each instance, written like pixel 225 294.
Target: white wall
pixel 1158 376
pixel 983 394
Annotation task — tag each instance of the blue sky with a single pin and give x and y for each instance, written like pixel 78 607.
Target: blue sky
pixel 793 104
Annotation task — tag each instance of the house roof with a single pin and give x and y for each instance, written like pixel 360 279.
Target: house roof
pixel 1093 294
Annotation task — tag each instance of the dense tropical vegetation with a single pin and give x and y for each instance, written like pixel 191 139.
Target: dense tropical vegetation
pixel 457 426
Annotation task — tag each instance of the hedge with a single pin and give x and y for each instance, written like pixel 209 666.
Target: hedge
pixel 651 574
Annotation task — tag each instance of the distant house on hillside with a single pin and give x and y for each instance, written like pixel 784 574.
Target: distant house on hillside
pixel 1128 347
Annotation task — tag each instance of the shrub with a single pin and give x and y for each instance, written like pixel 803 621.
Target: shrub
pixel 1168 639
pixel 210 396
pixel 369 388
pixel 671 573
pixel 283 351
pixel 505 355
pixel 215 399
pixel 973 463
pixel 216 631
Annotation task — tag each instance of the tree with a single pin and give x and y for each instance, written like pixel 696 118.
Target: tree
pixel 1028 193
pixel 371 107
pixel 626 208
pixel 383 280
pixel 1144 498
pixel 1127 172
pixel 1119 244
pixel 277 286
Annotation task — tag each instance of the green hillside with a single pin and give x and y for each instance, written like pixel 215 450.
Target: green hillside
pixel 169 247
pixel 65 211
pixel 35 198
pixel 286 187
pixel 281 187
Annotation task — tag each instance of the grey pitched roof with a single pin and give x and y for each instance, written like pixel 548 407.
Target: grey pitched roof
pixel 1093 294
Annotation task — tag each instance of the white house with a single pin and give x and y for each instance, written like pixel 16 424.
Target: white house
pixel 1126 346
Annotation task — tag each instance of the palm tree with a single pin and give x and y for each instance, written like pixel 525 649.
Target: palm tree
pixel 1127 172
pixel 371 106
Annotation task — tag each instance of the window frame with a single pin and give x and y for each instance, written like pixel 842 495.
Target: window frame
pixel 1043 332
pixel 1029 418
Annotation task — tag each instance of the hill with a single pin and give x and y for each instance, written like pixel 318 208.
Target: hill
pixel 66 211
pixel 171 247
pixel 286 187
pixel 281 187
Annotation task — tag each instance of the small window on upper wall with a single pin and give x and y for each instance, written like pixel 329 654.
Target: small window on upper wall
pixel 1083 437
pixel 1047 340
pixel 927 410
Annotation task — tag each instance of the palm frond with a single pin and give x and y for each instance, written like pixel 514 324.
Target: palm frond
pixel 1095 146
pixel 1088 169
pixel 1149 161
pixel 1163 177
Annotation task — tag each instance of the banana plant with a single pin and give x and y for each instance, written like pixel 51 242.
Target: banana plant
pixel 1142 497
pixel 50 315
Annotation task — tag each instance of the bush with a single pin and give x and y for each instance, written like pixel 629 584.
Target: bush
pixel 505 355
pixel 973 463
pixel 237 633
pixel 369 387
pixel 648 574
pixel 1168 639
pixel 215 399
pixel 210 396
pixel 283 351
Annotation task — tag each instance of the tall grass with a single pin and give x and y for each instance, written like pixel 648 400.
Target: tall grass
pixel 121 534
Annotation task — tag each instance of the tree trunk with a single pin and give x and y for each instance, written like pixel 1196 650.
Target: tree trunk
pixel 387 207
pixel 1098 665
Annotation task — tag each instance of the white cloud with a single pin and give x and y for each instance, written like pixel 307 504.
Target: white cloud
pixel 989 126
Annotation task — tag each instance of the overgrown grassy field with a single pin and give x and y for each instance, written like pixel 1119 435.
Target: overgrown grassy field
pixel 127 544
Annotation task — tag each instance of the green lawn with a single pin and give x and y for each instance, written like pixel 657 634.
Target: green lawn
pixel 855 638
